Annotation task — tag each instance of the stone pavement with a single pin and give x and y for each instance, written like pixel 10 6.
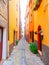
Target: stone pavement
pixel 21 55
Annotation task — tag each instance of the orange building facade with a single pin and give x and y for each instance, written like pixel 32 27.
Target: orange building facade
pixel 39 16
pixel 29 22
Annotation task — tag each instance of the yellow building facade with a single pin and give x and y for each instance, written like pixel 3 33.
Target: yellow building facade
pixel 41 18
pixel 13 21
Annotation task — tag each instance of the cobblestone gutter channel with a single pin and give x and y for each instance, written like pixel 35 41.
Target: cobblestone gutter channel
pixel 23 57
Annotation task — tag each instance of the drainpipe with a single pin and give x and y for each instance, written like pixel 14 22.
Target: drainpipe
pixel 8 26
pixel 8 17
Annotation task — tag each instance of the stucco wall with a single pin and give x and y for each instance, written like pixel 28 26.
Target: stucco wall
pixel 41 18
pixel 4 25
pixel 13 19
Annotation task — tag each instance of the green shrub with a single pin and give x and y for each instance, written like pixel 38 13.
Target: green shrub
pixel 33 48
pixel 16 42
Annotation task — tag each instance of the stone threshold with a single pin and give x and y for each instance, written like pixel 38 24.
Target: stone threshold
pixel 1 62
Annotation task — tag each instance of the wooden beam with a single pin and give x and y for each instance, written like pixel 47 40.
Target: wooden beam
pixel 3 16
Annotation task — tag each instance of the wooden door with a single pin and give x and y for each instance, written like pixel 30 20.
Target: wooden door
pixel 39 39
pixel 15 37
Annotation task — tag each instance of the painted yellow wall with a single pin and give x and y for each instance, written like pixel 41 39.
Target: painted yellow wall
pixel 13 14
pixel 41 18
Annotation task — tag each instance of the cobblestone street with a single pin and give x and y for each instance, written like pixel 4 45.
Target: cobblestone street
pixel 24 32
pixel 21 55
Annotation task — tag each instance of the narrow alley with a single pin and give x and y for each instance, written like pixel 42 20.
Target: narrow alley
pixel 24 32
pixel 21 55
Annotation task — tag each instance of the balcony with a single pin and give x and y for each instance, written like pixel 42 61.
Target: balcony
pixel 36 4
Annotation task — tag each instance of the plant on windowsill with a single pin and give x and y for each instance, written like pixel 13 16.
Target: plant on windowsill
pixel 33 48
pixel 16 42
pixel 36 4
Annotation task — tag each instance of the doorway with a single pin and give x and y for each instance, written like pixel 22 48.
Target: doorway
pixel 32 36
pixel 1 41
pixel 15 37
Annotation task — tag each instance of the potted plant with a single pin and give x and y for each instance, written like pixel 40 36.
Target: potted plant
pixel 33 48
pixel 16 42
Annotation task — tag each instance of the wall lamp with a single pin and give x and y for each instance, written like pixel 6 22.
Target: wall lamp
pixel 46 5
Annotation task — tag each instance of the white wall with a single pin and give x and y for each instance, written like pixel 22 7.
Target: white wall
pixel 4 43
pixel 23 4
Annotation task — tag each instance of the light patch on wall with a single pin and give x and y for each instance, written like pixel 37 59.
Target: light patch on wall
pixel 23 4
